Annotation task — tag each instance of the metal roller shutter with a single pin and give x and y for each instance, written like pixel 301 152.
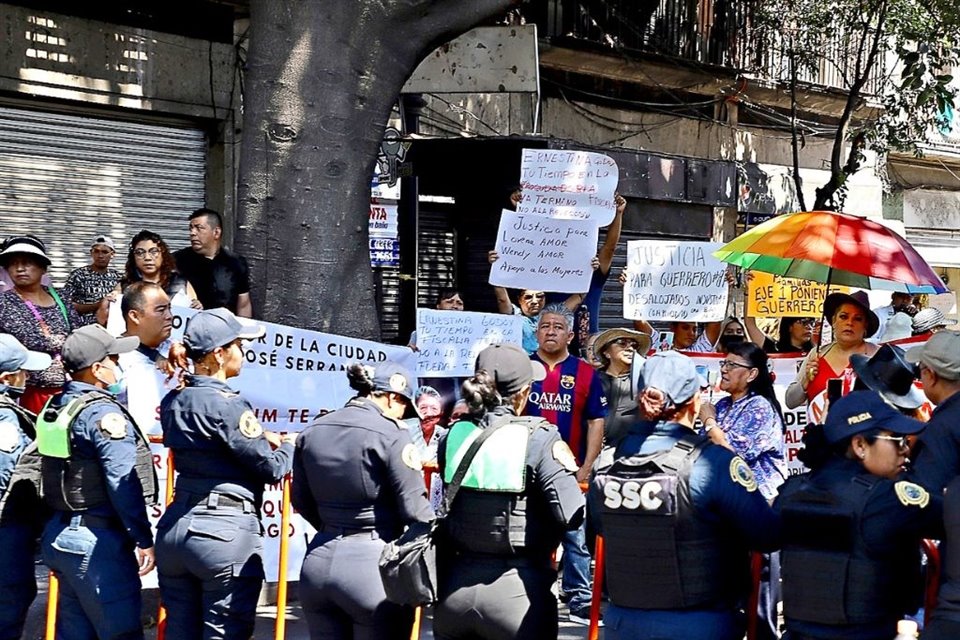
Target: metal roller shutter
pixel 66 178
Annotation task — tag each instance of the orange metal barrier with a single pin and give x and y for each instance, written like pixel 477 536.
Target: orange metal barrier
pixel 756 572
pixel 167 499
pixel 418 612
pixel 53 595
pixel 284 544
pixel 593 631
pixel 932 587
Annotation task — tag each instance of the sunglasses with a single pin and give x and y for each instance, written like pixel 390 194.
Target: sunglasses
pixel 626 343
pixel 901 441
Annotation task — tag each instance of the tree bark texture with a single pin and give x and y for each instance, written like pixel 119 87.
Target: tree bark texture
pixel 322 77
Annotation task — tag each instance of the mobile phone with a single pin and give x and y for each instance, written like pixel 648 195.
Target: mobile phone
pixel 834 389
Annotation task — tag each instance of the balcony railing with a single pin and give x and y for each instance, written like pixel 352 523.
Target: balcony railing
pixel 718 33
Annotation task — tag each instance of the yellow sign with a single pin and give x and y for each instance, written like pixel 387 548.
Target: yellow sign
pixel 770 296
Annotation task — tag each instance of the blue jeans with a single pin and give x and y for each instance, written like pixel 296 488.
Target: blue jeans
pixel 621 623
pixel 575 580
pixel 18 584
pixel 99 585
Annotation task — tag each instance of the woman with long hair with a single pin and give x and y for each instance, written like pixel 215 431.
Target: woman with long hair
pixel 149 259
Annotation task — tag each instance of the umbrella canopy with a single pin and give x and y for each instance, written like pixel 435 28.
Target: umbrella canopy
pixel 838 248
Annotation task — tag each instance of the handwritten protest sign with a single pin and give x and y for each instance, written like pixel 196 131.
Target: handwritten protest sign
pixel 669 280
pixel 577 185
pixel 774 296
pixel 449 341
pixel 544 253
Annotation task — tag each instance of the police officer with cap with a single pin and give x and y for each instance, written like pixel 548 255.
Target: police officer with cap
pixel 852 528
pixel 678 515
pixel 358 479
pixel 20 508
pixel 209 541
pixel 98 476
pixel 518 495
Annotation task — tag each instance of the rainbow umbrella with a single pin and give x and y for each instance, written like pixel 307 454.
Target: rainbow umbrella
pixel 835 248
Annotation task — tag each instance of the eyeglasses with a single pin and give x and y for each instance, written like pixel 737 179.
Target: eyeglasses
pixel 727 364
pixel 808 322
pixel 627 343
pixel 533 296
pixel 901 441
pixel 153 252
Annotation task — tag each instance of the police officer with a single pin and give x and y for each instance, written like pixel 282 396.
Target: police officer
pixel 209 541
pixel 678 515
pixel 358 479
pixel 518 496
pixel 20 511
pixel 852 528
pixel 97 475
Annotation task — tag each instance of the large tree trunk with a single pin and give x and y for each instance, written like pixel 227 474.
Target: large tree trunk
pixel 321 79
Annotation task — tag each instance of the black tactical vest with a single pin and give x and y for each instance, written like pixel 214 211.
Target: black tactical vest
pixel 829 576
pixel 21 502
pixel 499 523
pixel 660 553
pixel 75 484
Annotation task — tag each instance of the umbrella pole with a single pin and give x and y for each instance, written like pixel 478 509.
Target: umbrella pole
pixel 823 311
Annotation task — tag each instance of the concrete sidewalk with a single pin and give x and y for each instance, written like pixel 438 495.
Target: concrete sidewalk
pixel 296 627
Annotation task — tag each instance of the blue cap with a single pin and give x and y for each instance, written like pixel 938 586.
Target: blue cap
pixel 391 377
pixel 14 356
pixel 860 411
pixel 214 328
pixel 672 373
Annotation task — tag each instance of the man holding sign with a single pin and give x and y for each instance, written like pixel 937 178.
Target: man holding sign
pixel 571 397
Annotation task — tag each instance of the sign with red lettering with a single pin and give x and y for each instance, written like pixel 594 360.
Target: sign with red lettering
pixel 573 185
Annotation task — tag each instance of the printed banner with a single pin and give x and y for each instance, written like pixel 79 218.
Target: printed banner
pixel 449 341
pixel 544 253
pixel 289 376
pixel 574 185
pixel 669 280
pixel 772 296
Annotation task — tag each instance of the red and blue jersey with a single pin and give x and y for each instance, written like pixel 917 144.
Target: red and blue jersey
pixel 568 397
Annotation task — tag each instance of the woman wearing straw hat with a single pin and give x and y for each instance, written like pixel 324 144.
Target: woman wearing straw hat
pixel 617 349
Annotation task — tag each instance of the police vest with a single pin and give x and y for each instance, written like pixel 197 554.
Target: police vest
pixel 76 484
pixel 490 513
pixel 21 502
pixel 829 576
pixel 660 553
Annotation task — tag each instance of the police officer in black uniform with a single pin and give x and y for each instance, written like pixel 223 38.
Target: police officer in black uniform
pixel 358 479
pixel 209 540
pixel 518 496
pixel 678 515
pixel 20 510
pixel 98 476
pixel 852 528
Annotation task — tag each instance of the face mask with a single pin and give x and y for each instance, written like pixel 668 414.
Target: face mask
pixel 729 341
pixel 120 383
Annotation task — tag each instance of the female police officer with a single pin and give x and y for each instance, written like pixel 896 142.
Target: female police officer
pixel 358 479
pixel 678 515
pixel 852 530
pixel 518 496
pixel 209 546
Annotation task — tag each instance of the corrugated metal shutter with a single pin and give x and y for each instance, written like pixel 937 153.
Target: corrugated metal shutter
pixel 66 178
pixel 437 266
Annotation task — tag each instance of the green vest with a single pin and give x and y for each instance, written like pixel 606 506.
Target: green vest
pixel 500 464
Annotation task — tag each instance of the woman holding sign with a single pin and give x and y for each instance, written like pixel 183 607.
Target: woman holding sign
pixel 852 322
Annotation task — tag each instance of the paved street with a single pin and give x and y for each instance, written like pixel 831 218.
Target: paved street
pixel 266 619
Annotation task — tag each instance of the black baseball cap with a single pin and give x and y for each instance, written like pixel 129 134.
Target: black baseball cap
pixel 511 367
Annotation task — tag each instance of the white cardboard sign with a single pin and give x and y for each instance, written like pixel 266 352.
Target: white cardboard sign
pixel 545 254
pixel 577 185
pixel 449 341
pixel 673 280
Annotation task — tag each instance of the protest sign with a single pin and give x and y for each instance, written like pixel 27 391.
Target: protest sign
pixel 544 253
pixel 577 185
pixel 773 296
pixel 289 375
pixel 671 280
pixel 449 341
